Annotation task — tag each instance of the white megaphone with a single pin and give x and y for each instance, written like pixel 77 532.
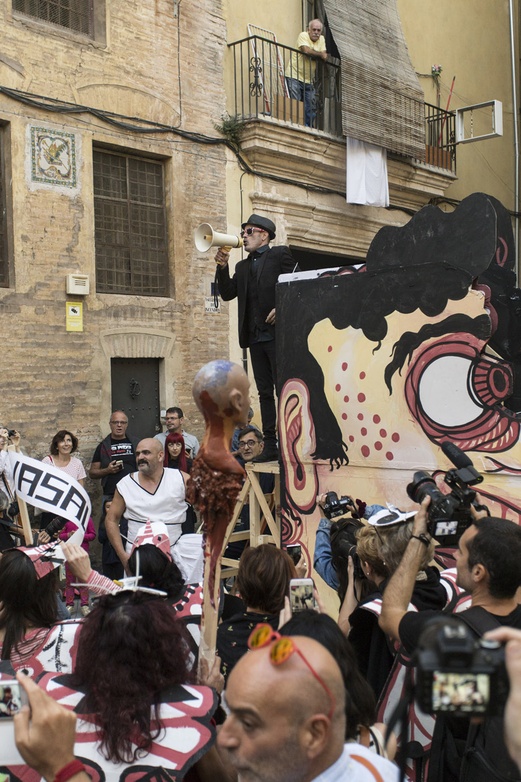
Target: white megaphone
pixel 205 237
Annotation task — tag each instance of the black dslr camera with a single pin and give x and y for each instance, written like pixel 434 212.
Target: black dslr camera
pixel 459 674
pixel 55 526
pixel 449 514
pixel 334 507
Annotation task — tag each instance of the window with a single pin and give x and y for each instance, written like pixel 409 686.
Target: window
pixel 4 264
pixel 130 224
pixel 77 15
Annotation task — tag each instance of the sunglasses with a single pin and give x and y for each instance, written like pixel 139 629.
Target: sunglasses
pixel 249 231
pixel 282 647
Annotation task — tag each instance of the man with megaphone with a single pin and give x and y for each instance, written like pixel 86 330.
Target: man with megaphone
pixel 253 284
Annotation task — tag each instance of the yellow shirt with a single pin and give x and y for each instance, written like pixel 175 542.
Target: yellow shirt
pixel 300 66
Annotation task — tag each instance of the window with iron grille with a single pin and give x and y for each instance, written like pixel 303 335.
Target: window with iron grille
pixel 4 265
pixel 77 15
pixel 130 224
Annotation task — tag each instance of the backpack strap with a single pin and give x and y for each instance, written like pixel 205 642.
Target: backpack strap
pixel 479 620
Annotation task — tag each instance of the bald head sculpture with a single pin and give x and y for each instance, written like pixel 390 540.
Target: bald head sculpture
pixel 283 725
pixel 221 391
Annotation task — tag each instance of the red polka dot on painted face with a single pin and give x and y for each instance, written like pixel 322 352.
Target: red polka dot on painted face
pixel 344 416
pixel 329 348
pixel 346 399
pixel 363 431
pixel 364 450
pixel 337 387
pixel 360 416
pixel 389 456
pixel 362 375
pixel 344 366
pixel 361 398
pixel 351 438
pixel 378 446
pixel 376 419
pixel 395 437
pixel 383 433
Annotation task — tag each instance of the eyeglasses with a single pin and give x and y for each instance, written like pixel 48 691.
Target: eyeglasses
pixel 119 423
pixel 282 649
pixel 249 231
pixel 247 443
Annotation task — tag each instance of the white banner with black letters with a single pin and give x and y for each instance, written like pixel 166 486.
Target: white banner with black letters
pixel 50 489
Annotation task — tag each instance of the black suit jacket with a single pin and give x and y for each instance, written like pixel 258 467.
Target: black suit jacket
pixel 272 263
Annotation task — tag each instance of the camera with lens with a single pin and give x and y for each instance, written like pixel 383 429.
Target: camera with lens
pixel 55 526
pixel 334 507
pixel 449 514
pixel 459 674
pixel 11 432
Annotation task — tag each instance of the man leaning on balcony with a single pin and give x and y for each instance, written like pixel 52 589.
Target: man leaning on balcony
pixel 301 69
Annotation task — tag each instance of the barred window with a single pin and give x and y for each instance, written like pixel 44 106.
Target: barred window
pixel 4 265
pixel 77 15
pixel 130 224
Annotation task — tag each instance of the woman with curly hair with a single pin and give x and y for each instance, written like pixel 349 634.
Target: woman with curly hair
pixel 134 691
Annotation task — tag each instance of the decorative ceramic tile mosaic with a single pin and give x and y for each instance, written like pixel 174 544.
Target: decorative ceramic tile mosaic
pixel 53 157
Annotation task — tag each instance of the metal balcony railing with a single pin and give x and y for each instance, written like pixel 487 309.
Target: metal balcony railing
pixel 440 137
pixel 273 81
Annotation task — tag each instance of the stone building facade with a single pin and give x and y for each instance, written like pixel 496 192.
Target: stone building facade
pixel 109 159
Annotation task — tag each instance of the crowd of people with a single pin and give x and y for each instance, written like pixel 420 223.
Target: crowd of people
pixel 290 697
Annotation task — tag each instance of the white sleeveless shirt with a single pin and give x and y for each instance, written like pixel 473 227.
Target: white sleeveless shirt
pixel 166 504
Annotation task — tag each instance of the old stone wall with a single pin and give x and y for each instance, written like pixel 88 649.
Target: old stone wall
pixel 154 66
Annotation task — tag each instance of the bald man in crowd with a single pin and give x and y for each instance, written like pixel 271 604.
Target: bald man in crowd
pixel 153 492
pixel 286 721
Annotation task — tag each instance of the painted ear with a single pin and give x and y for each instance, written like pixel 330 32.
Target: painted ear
pixel 297 443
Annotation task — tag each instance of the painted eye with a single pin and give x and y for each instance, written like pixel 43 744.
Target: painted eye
pixel 454 370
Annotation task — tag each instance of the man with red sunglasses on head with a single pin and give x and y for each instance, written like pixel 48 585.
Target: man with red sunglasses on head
pixel 253 284
pixel 286 720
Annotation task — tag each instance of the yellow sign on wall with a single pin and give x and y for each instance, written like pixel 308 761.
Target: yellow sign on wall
pixel 74 315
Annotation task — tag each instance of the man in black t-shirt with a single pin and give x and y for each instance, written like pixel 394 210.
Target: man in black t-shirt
pixel 488 561
pixel 112 460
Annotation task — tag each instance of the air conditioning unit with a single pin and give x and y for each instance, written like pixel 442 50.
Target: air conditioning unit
pixel 78 284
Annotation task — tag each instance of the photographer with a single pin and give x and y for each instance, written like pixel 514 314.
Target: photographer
pixel 379 548
pixel 328 559
pixel 512 639
pixel 8 506
pixel 487 564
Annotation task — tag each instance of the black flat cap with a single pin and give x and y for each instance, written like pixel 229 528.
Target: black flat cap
pixel 261 222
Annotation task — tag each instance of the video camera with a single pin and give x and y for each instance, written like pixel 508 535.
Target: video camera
pixel 449 514
pixel 459 674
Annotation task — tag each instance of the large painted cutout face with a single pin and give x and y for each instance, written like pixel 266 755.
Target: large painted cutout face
pixel 399 357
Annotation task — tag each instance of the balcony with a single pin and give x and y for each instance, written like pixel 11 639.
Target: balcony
pixel 261 91
pixel 262 71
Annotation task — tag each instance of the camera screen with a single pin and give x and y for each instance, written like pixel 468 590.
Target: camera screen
pixel 11 698
pixel 468 692
pixel 443 528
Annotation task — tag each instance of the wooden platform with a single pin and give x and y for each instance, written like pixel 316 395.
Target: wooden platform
pixel 265 524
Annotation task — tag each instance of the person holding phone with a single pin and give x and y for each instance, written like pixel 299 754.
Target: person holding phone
pixel 114 458
pixel 263 582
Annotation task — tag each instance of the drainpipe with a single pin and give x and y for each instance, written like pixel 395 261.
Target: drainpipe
pixel 516 133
